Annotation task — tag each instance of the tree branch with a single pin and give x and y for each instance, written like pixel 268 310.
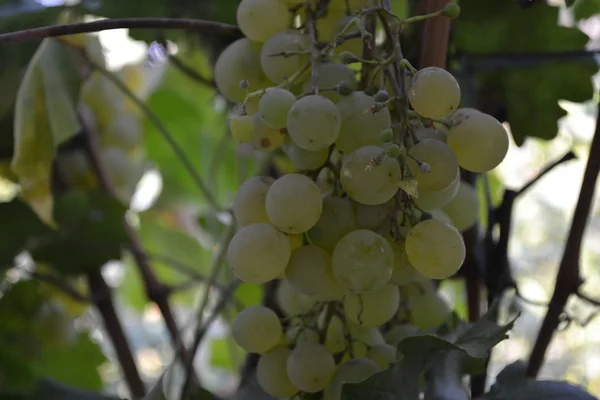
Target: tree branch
pixel 212 27
pixel 568 278
pixel 190 72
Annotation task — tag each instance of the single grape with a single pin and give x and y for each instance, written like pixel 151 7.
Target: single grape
pixel 441 216
pixel 369 176
pixel 328 76
pixel 428 310
pixel 239 61
pixel 442 162
pixel 306 160
pixel 294 203
pixel 399 332
pixel 274 106
pixel 310 367
pixel 296 241
pixel 290 300
pixel 452 10
pixel 432 132
pixel 283 54
pixel 299 334
pixel 403 273
pixel 434 93
pixel 260 19
pixel 242 128
pixel 435 249
pixel 313 123
pixel 265 137
pixel 271 373
pixel 434 199
pixel 387 136
pixel 360 126
pixel 463 209
pixel 376 218
pixel 337 220
pixel 362 261
pixel 372 309
pixel 383 355
pixel 309 271
pixel 351 371
pixel 258 253
pixel 256 329
pixel 393 150
pixel 249 201
pixel 479 140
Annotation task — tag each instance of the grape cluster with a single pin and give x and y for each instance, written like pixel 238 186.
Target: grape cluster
pixel 373 209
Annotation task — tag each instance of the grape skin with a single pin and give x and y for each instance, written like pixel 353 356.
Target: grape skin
pixel 313 123
pixel 463 210
pixel 277 67
pixel 376 218
pixel 305 160
pixel 433 132
pixel 328 76
pixel 310 367
pixel 256 329
pixel 434 93
pixel 383 355
pixel 372 309
pixel 242 128
pixel 272 375
pixel 260 19
pixel 428 310
pixel 309 271
pixel 274 106
pixel 337 220
pixel 403 273
pixel 258 253
pixel 434 199
pixel 294 203
pixel 249 201
pixel 265 137
pixel 363 261
pixel 290 300
pixel 442 162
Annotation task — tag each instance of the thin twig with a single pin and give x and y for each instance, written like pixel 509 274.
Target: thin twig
pixel 190 72
pixel 212 27
pixel 567 157
pixel 314 51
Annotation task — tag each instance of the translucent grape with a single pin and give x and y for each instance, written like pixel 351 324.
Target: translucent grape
pixel 352 371
pixel 435 249
pixel 239 61
pixel 432 132
pixel 258 253
pixel 306 160
pixel 283 54
pixel 383 355
pixel 372 309
pixel 309 271
pixel 360 127
pixel 398 332
pixel 242 128
pixel 369 176
pixel 260 19
pixel 249 201
pixel 265 137
pixel 256 329
pixel 328 76
pixel 375 218
pixel 463 209
pixel 310 367
pixel 337 220
pixel 433 199
pixel 313 122
pixel 271 373
pixel 442 162
pixel 274 106
pixel 403 273
pixel 290 300
pixel 479 140
pixel 362 261
pixel 434 93
pixel 428 310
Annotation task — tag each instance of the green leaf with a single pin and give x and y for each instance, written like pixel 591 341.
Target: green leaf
pixel 45 117
pixel 583 9
pixel 220 354
pixel 530 92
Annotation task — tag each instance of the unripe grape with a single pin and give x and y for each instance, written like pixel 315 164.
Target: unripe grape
pixel 393 150
pixel 256 329
pixel 310 367
pixel 451 10
pixel 434 93
pixel 381 96
pixel 271 373
pixel 387 135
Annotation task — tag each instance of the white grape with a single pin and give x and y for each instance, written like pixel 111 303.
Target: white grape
pixel 434 93
pixel 294 203
pixel 274 106
pixel 403 273
pixel 309 271
pixel 432 132
pixel 258 253
pixel 279 65
pixel 271 373
pixel 375 218
pixel 428 310
pixel 242 128
pixel 290 300
pixel 260 19
pixel 265 138
pixel 360 127
pixel 313 122
pixel 369 176
pixel 362 261
pixel 463 210
pixel 399 332
pixel 441 216
pixel 306 160
pixel 328 76
pixel 479 140
pixel 351 371
pixel 435 249
pixel 299 334
pixel 337 220
pixel 249 201
pixel 383 355
pixel 433 199
pixel 256 329
pixel 372 309
pixel 442 162
pixel 310 367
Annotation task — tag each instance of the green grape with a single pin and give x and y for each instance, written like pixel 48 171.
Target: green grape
pixel 249 201
pixel 278 66
pixel 383 355
pixel 442 162
pixel 260 19
pixel 335 340
pixel 306 160
pixel 238 62
pixel 354 46
pixel 363 261
pixel 265 137
pixel 329 75
pixel 274 106
pixel 435 249
pixel 403 273
pixel 125 131
pixel 463 209
pixel 242 128
pixel 479 140
pixel 256 329
pixel 313 123
pixel 337 220
pixel 452 10
pixel 309 271
pixel 375 218
pixel 441 216
pixel 399 332
pixel 352 371
pixel 294 203
pixel 372 309
pixel 433 199
pixel 432 132
pixel 296 241
pixel 290 300
pixel 258 253
pixel 369 177
pixel 310 367
pixel 428 310
pixel 434 93
pixel 299 334
pixel 271 373
pixel 360 127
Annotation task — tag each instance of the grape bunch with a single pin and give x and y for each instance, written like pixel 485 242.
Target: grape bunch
pixel 371 206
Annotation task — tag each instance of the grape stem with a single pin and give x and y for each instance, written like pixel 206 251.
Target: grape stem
pixel 314 51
